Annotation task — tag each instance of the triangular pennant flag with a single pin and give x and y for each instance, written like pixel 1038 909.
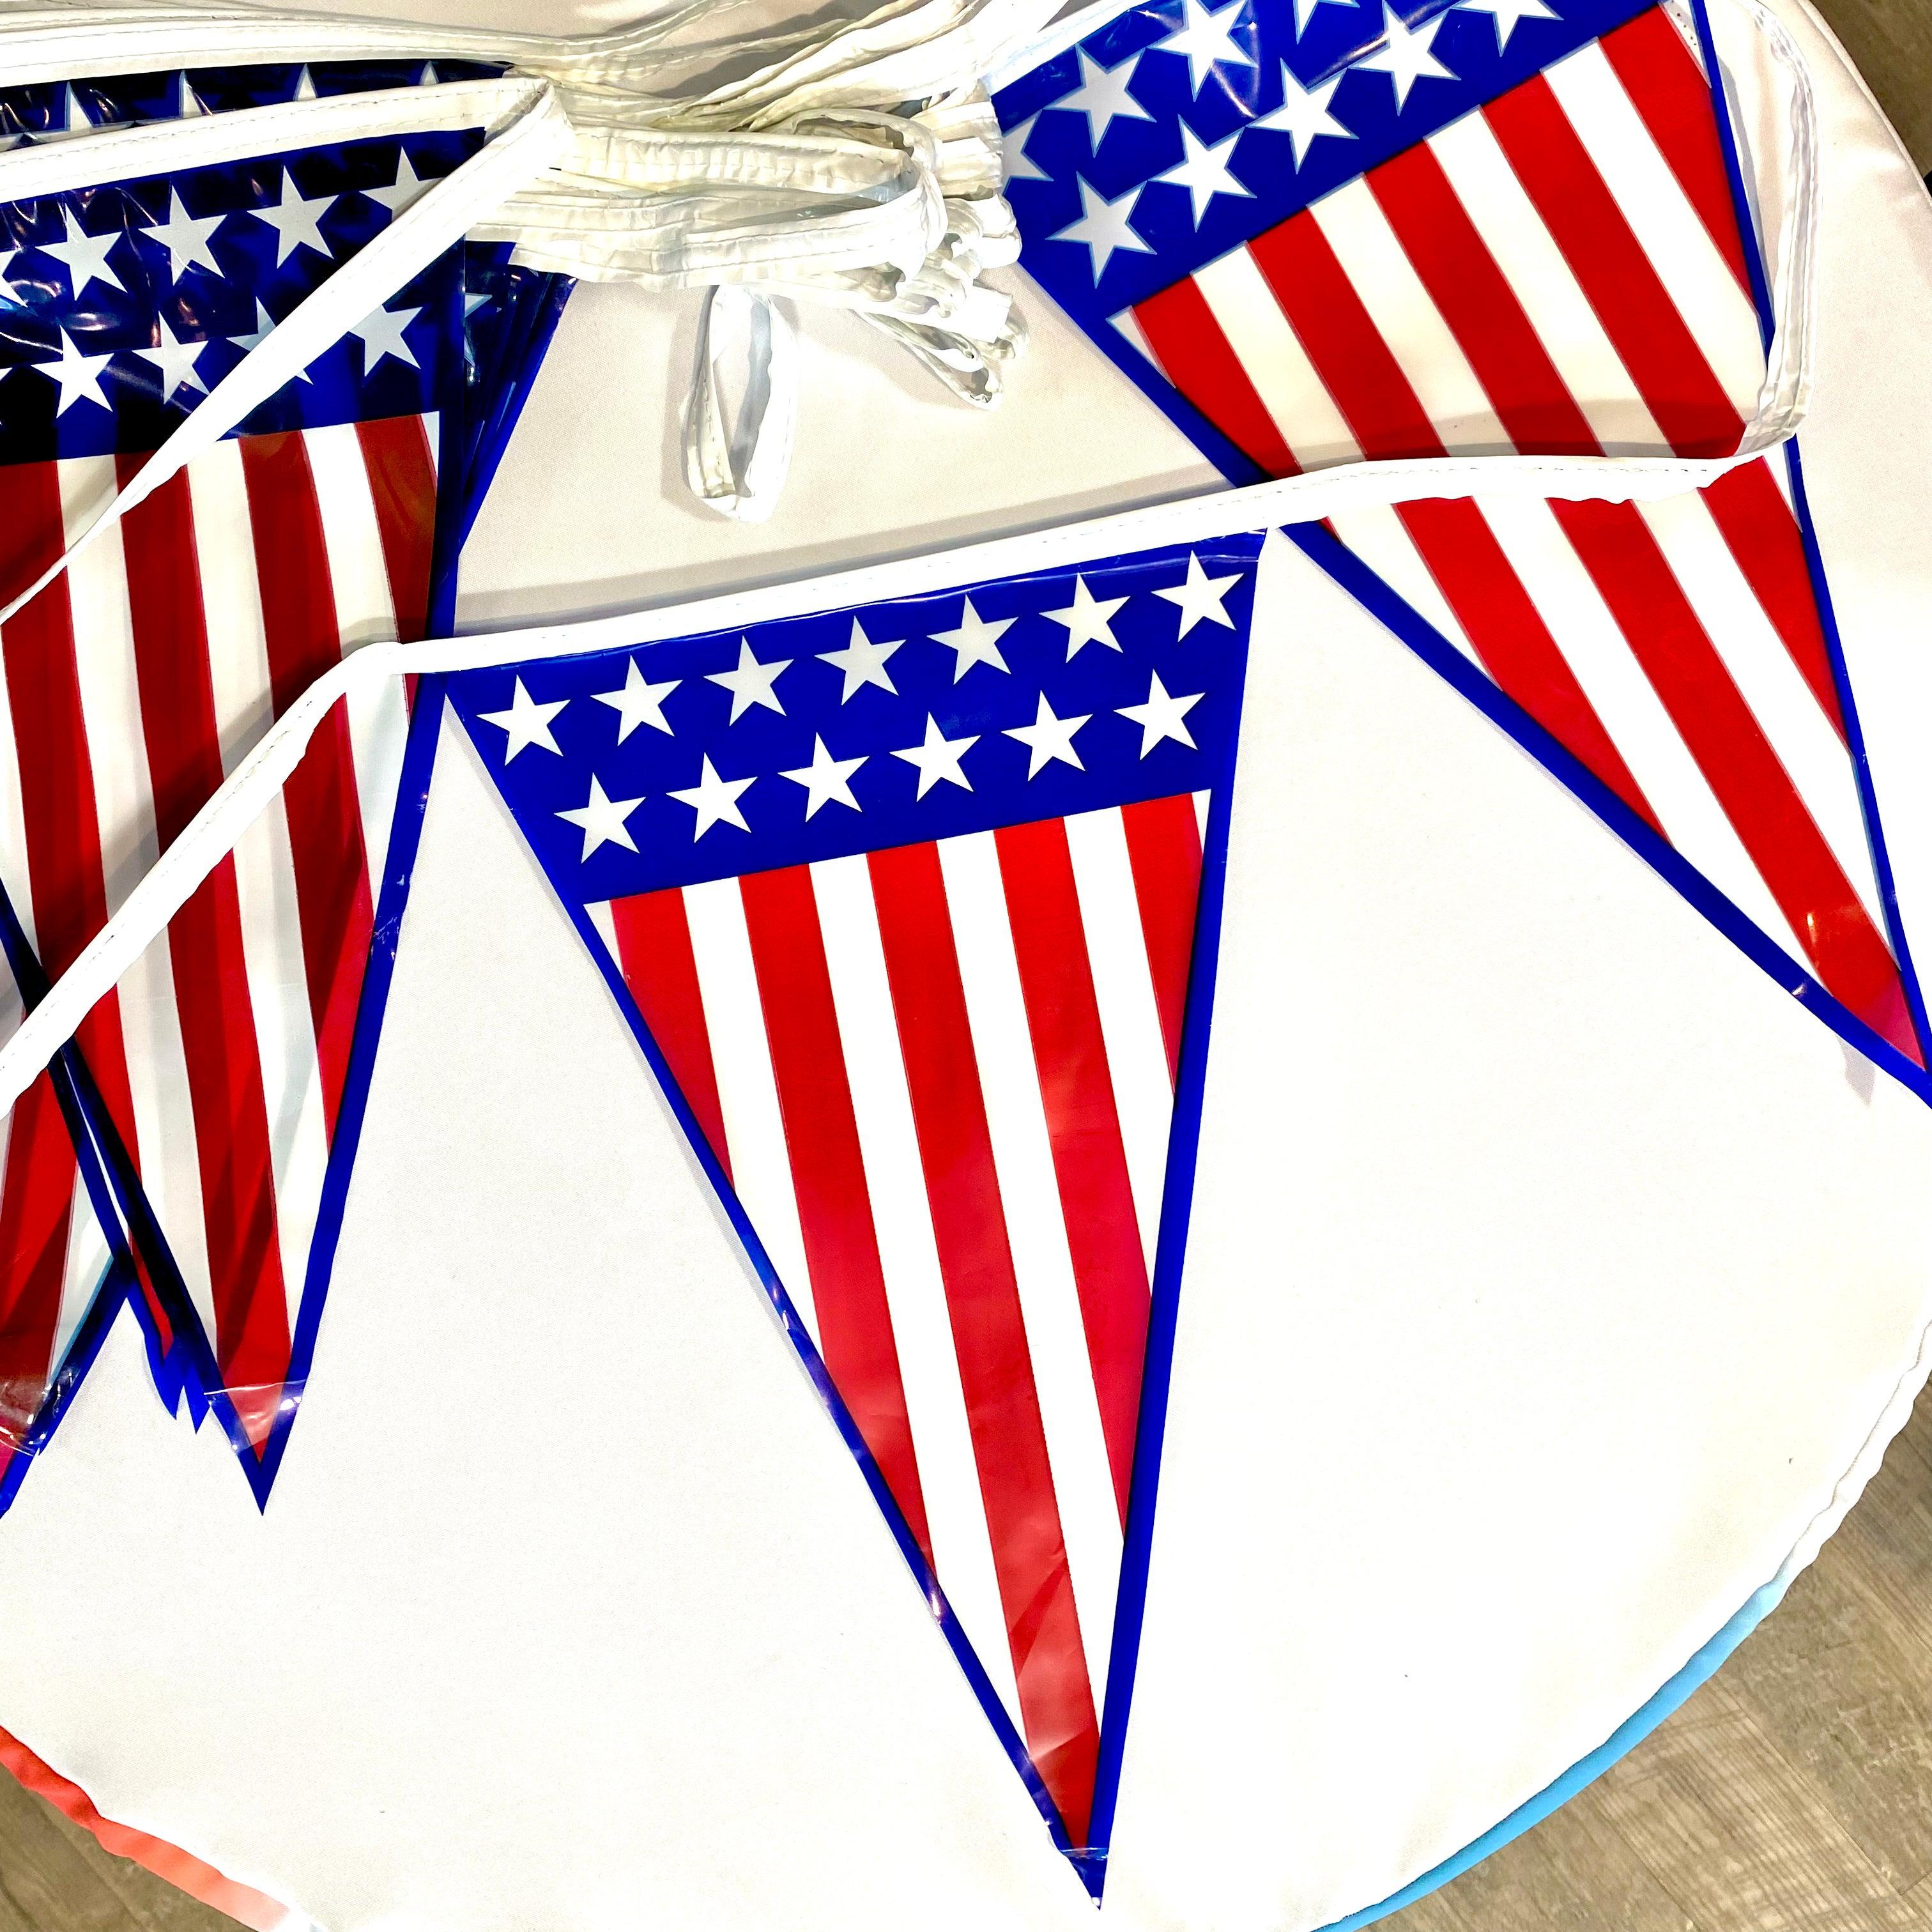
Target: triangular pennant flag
pixel 903 901
pixel 192 1148
pixel 1316 236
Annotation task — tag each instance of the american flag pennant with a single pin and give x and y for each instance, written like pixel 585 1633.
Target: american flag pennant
pixel 1318 231
pixel 902 901
pixel 189 1152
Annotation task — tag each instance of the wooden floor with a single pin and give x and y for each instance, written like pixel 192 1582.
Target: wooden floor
pixel 1793 1793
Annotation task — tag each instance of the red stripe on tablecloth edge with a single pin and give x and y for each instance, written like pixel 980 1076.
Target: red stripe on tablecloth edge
pixel 1164 853
pixel 324 809
pixel 654 955
pixel 1673 100
pixel 1083 1124
pixel 181 1870
pixel 989 1335
pixel 828 1175
pixel 222 1053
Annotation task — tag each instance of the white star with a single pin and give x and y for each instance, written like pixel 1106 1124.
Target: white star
pixel 1013 153
pixel 381 334
pixel 1506 15
pixel 601 821
pixel 85 255
pixel 826 779
pixel 526 722
pixel 975 642
pixel 1304 12
pixel 938 757
pixel 1304 115
pixel 715 800
pixel 79 121
pixel 404 189
pixel 304 86
pixel 1089 619
pixel 429 77
pixel 752 683
pixel 189 105
pixel 1102 97
pixel 78 376
pixel 637 702
pixel 10 295
pixel 297 220
pixel 185 237
pixel 1102 226
pixel 1162 716
pixel 862 661
pixel 1205 38
pixel 1204 172
pixel 174 360
pixel 1049 738
pixel 1200 598
pixel 1406 54
pixel 264 321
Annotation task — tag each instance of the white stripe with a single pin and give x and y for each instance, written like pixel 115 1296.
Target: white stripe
pixel 1631 712
pixel 231 599
pixel 949 1475
pixel 1009 1084
pixel 1238 296
pixel 599 915
pixel 1546 291
pixel 271 948
pixel 87 1258
pixel 1409 323
pixel 365 610
pixel 1117 955
pixel 1379 537
pixel 748 1094
pixel 164 1130
pixel 1806 742
pixel 1668 227
pixel 164 1118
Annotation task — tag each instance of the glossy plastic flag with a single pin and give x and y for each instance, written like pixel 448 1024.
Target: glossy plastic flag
pixel 191 1149
pixel 1318 234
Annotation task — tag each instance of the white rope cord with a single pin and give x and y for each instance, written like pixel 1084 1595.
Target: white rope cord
pixel 533 126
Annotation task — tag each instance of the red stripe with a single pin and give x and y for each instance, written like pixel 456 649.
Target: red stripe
pixel 186 1874
pixel 835 1209
pixel 1387 419
pixel 1668 89
pixel 1083 1124
pixel 989 1336
pixel 36 1202
pixel 1164 850
pixel 1180 329
pixel 402 485
pixel 1524 385
pixel 654 956
pixel 212 992
pixel 325 818
pixel 1738 763
pixel 1683 394
pixel 60 829
pixel 1750 509
pixel 1355 364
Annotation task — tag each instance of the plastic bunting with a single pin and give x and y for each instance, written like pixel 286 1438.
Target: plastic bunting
pixel 189 1152
pixel 901 901
pixel 1316 234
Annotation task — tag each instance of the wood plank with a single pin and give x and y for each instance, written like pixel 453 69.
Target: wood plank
pixel 1890 43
